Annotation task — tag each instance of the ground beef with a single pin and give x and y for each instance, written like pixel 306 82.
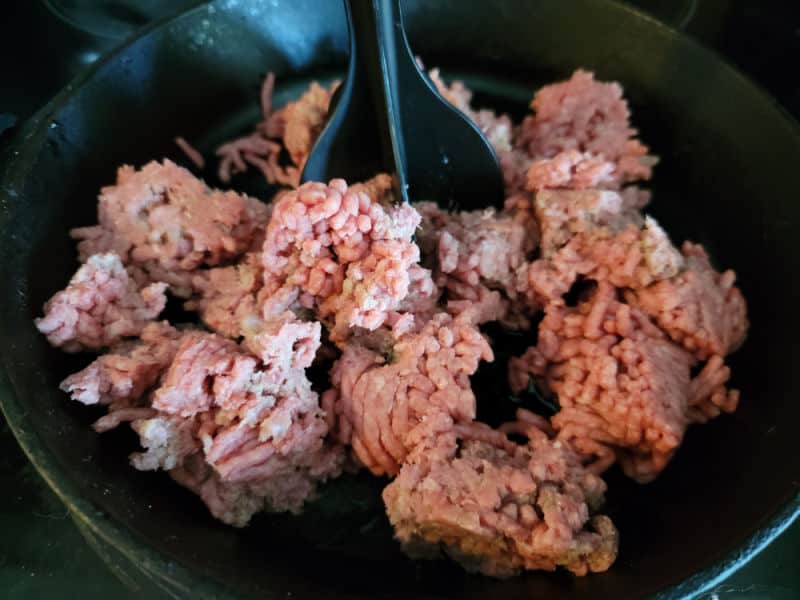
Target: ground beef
pixel 698 307
pixel 226 298
pixel 623 388
pixel 572 170
pixel 165 223
pixel 588 116
pixel 631 258
pixel 476 257
pixel 376 403
pixel 498 508
pixel 345 254
pixel 101 306
pixel 254 419
pixel 126 373
pixel 392 296
pixel 304 120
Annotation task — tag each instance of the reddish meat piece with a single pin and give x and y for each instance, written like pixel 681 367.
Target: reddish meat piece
pixel 588 116
pixel 346 254
pixel 633 257
pixel 100 306
pixel 620 382
pixel 378 404
pixel 572 170
pixel 260 148
pixel 563 213
pixel 498 507
pixel 227 297
pixel 255 420
pixel 698 307
pixel 285 490
pixel 304 119
pixel 124 375
pixel 476 257
pixel 166 223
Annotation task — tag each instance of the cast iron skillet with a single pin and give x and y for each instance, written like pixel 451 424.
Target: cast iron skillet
pixel 727 179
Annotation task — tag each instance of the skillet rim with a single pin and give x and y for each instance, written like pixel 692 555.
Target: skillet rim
pixel 181 579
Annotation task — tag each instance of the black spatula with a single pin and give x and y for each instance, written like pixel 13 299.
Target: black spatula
pixel 388 117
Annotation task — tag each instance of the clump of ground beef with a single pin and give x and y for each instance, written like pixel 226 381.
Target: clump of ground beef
pixel 498 507
pixel 627 333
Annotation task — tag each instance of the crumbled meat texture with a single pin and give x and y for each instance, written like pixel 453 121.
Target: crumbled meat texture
pixel 623 387
pixel 698 307
pixel 397 294
pixel 100 306
pixel 571 170
pixel 345 255
pixel 165 223
pixel 125 374
pixel 632 258
pixel 304 119
pixel 588 116
pixel 254 419
pixel 377 405
pixel 226 298
pixel 476 257
pixel 563 213
pixel 498 509
pixel 260 148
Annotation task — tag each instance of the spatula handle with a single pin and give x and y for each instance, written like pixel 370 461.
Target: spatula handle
pixel 378 46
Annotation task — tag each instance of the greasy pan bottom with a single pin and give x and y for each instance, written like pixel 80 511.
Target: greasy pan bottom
pixel 727 180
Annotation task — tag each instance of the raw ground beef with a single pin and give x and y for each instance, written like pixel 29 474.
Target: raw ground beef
pixel 588 116
pixel 343 253
pixel 476 257
pixel 165 223
pixel 630 336
pixel 698 307
pixel 498 507
pixel 294 127
pixel 100 306
pixel 377 404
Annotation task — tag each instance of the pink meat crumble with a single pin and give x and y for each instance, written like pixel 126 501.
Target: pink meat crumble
pixel 631 344
pixel 100 306
pixel 498 507
pixel 588 116
pixel 377 404
pixel 165 223
pixel 347 255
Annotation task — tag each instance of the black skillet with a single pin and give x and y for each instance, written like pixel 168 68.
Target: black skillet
pixel 727 179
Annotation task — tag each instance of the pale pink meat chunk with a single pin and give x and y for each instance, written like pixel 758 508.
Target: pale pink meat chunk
pixel 571 170
pixel 304 119
pixel 100 306
pixel 588 116
pixel 699 307
pixel 254 420
pixel 125 374
pixel 476 257
pixel 497 507
pixel 226 298
pixel 165 223
pixel 343 252
pixel 377 405
pixel 633 257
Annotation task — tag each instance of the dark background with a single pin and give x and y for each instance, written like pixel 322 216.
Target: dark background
pixel 44 43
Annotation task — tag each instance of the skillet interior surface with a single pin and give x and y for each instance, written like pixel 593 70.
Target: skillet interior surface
pixel 727 179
